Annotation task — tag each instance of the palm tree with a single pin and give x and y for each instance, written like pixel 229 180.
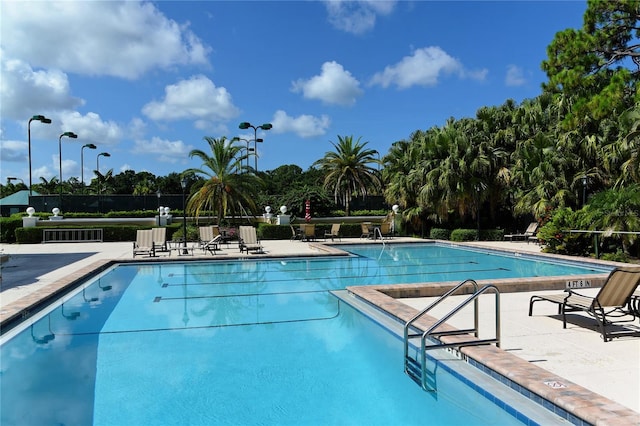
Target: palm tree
pixel 226 189
pixel 348 172
pixel 48 186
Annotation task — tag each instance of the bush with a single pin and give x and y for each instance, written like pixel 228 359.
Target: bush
pixel 464 235
pixel 440 234
pixel 554 237
pixel 110 233
pixel 8 226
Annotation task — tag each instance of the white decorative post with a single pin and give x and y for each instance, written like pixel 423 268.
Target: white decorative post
pixel 30 221
pixel 283 219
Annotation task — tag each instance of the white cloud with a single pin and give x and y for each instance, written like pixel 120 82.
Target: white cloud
pixel 515 76
pixel 90 128
pixel 424 68
pixel 305 126
pixel 195 99
pixel 164 150
pixel 117 38
pixel 334 85
pixel 359 16
pixel 24 90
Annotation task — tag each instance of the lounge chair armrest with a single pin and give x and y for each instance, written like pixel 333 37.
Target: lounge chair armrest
pixel 570 291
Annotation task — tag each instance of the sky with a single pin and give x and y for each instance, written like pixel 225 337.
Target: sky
pixel 147 81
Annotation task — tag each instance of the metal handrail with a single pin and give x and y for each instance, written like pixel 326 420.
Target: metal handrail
pixel 430 332
pixel 434 304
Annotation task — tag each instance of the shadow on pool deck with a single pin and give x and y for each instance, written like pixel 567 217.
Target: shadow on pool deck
pixel 24 269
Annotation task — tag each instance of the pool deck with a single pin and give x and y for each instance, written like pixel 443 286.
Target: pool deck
pixel 577 357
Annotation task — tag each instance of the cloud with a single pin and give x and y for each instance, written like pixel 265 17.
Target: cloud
pixel 116 38
pixel 195 99
pixel 515 76
pixel 164 150
pixel 424 68
pixel 90 128
pixel 359 16
pixel 305 126
pixel 334 85
pixel 24 90
pixel 13 151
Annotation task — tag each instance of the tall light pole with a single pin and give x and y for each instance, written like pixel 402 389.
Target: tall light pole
pixel 103 154
pixel 11 178
pixel 72 136
pixel 246 125
pixel 90 146
pixel 42 119
pixel 248 149
pixel 183 184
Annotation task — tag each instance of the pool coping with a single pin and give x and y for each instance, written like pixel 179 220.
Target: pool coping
pixel 577 401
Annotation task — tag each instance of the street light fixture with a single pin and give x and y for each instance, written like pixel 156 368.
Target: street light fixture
pixel 248 149
pixel 90 146
pixel 72 136
pixel 584 190
pixel 42 119
pixel 183 184
pixel 11 178
pixel 246 125
pixel 104 154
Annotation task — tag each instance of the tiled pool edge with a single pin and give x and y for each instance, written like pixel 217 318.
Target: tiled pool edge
pixel 573 402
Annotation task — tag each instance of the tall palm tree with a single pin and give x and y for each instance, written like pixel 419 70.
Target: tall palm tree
pixel 347 170
pixel 226 188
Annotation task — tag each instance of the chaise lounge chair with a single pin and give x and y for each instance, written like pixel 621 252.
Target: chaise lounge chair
pixel 144 243
pixel 209 238
pixel 334 233
pixel 526 235
pixel 249 240
pixel 612 301
pixel 160 239
pixel 309 232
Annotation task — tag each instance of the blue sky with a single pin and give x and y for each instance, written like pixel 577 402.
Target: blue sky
pixel 146 81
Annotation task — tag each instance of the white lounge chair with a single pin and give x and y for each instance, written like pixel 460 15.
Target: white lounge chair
pixel 526 235
pixel 143 243
pixel 249 240
pixel 160 239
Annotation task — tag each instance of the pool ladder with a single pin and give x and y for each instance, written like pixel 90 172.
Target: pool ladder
pixel 416 367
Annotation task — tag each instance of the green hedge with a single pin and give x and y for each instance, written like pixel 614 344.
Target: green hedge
pixel 471 235
pixel 8 226
pixel 110 233
pixel 440 233
pixel 266 231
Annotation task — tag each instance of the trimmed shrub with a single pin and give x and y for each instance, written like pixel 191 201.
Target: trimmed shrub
pixel 8 226
pixel 464 235
pixel 440 234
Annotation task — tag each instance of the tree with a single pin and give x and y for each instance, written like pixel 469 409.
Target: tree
pixel 347 170
pixel 598 65
pixel 225 189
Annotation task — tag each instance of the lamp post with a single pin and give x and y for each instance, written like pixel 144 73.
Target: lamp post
pixel 248 149
pixel 246 125
pixel 183 184
pixel 584 190
pixel 159 194
pixel 42 119
pixel 11 178
pixel 72 136
pixel 103 154
pixel 90 146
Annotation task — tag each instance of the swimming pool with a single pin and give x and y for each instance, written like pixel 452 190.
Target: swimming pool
pixel 240 342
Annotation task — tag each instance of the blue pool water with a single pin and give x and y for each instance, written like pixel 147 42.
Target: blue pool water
pixel 241 342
